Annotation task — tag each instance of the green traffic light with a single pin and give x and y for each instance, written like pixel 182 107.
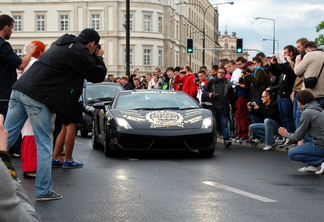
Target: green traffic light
pixel 239 50
pixel 189 50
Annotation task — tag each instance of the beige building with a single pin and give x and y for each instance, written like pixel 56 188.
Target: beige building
pixel 158 29
pixel 228 47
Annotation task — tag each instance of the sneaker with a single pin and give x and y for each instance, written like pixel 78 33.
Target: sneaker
pixel 71 164
pixel 57 163
pixel 287 143
pixel 280 140
pixel 321 171
pixel 52 196
pixel 310 168
pixel 228 144
pixel 268 147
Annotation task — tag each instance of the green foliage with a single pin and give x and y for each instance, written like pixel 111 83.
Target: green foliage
pixel 320 39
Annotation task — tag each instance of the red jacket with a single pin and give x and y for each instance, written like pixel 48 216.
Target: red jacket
pixel 188 84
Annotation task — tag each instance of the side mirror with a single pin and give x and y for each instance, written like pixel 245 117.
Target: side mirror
pixel 207 105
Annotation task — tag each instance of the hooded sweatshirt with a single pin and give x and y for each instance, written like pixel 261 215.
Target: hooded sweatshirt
pixel 311 122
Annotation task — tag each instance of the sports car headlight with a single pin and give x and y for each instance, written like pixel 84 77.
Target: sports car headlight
pixel 123 123
pixel 89 109
pixel 207 123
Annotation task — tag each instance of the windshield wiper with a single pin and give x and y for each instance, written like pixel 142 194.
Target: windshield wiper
pixel 189 108
pixel 144 108
pixel 171 107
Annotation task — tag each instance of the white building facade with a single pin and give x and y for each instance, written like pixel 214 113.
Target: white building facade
pixel 158 29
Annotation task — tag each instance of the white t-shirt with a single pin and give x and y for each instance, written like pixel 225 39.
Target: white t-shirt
pixel 235 76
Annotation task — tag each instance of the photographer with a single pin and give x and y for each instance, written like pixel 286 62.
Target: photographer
pixel 220 93
pixel 286 75
pixel 255 79
pixel 186 78
pixel 269 111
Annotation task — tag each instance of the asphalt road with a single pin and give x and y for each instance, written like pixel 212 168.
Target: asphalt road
pixel 242 183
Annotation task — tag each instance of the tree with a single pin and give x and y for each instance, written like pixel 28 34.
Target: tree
pixel 320 39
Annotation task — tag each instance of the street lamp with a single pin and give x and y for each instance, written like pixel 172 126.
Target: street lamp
pixel 274 30
pixel 272 40
pixel 204 25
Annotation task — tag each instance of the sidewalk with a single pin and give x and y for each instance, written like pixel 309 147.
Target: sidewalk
pixel 259 145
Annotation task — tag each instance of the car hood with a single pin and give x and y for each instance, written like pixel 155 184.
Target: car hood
pixel 163 119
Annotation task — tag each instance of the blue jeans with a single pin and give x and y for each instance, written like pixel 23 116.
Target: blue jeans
pixel 21 107
pixel 224 123
pixel 307 153
pixel 265 130
pixel 320 101
pixel 285 107
pixel 296 111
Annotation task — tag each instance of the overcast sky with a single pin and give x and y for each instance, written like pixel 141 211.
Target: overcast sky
pixel 293 19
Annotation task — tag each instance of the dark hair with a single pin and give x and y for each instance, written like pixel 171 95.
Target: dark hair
pixel 242 59
pixel 257 59
pixel 260 54
pixel 223 68
pixel 290 48
pixel 158 69
pixel 231 62
pixel 310 44
pixel 169 68
pixel 5 20
pixel 305 96
pixel 269 93
pixel 215 67
pixel 202 67
pixel 202 71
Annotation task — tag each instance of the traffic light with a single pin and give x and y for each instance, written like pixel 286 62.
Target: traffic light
pixel 190 48
pixel 239 45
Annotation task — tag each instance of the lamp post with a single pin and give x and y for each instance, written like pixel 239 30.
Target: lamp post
pixel 204 25
pixel 274 30
pixel 272 40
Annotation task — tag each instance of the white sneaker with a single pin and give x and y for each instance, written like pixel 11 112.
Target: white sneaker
pixel 321 171
pixel 310 168
pixel 268 147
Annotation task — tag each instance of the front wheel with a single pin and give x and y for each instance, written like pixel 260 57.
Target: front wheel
pixel 206 153
pixel 107 150
pixel 95 144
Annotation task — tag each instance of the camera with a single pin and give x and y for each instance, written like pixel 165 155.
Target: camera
pixel 215 95
pixel 98 46
pixel 251 105
pixel 197 79
pixel 246 71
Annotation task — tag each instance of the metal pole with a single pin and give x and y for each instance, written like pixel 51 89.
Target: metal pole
pixel 127 37
pixel 274 36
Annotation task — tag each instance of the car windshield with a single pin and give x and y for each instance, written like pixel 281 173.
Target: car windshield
pixel 155 100
pixel 101 92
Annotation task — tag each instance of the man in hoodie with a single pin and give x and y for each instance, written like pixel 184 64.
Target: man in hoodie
pixel 311 123
pixel 53 84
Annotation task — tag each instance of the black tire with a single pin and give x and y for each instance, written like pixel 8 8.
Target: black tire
pixel 107 150
pixel 95 144
pixel 206 153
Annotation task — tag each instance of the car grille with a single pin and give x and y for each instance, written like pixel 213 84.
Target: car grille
pixel 135 142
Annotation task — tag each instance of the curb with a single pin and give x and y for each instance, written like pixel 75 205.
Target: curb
pixel 259 145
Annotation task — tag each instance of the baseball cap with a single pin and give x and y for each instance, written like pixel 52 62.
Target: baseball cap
pixel 248 63
pixel 88 35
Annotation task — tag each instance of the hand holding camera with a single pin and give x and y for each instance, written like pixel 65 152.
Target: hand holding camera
pixel 252 105
pixel 247 72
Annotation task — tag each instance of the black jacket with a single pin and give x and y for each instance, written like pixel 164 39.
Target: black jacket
pixel 225 95
pixel 56 79
pixel 271 111
pixel 286 77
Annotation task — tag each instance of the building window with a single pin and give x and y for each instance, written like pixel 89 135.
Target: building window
pixel 160 24
pixel 95 21
pixel 130 56
pixel 130 22
pixel 147 23
pixel 18 52
pixel 147 57
pixel 64 21
pixel 40 20
pixel 18 22
pixel 160 58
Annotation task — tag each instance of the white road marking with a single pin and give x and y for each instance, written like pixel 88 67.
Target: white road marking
pixel 244 193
